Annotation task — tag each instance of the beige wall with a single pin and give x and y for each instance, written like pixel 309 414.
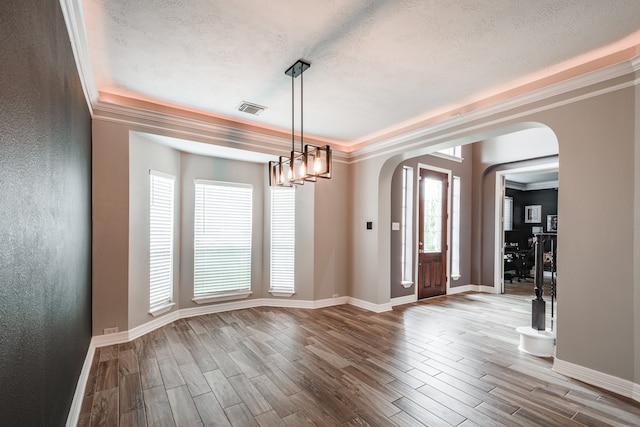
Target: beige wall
pixel 201 167
pixel 122 158
pixel 595 131
pixel 485 207
pixel 331 230
pixel 369 276
pixel 145 155
pixel 598 302
pixel 110 240
pixel 636 232
pixel 464 171
pixel 595 270
pixel 530 147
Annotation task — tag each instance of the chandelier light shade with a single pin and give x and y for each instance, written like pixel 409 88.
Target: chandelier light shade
pixel 319 160
pixel 308 163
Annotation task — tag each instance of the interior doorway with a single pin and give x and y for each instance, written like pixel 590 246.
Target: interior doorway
pixel 527 200
pixel 433 231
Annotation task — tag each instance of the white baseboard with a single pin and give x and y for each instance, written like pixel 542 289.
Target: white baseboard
pixel 451 291
pixel 376 308
pixel 330 302
pixel 407 299
pixel 126 336
pixel 471 288
pixel 160 321
pixel 222 307
pixel 156 323
pixel 599 379
pixel 117 338
pixel 76 404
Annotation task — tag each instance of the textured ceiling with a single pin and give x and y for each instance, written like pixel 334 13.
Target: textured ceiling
pixel 375 65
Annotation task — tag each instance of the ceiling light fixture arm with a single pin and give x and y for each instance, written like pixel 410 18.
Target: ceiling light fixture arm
pixel 312 161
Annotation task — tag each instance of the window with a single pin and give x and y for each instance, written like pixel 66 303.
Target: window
pixel 432 215
pixel 508 213
pixel 161 207
pixel 222 239
pixel 407 226
pixel 283 239
pixel 455 229
pixel 452 151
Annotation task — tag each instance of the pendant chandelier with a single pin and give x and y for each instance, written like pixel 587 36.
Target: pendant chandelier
pixel 311 161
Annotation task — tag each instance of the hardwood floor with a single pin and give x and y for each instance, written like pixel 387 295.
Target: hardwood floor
pixel 446 361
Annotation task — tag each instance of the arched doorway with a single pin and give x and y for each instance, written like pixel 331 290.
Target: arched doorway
pixel 480 231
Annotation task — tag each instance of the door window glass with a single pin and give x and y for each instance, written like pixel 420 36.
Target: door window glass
pixel 432 215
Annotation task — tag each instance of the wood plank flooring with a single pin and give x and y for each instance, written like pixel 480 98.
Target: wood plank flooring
pixel 449 361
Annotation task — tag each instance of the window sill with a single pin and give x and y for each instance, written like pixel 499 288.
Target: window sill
pixel 285 294
pixel 456 277
pixel 406 284
pixel 162 309
pixel 225 296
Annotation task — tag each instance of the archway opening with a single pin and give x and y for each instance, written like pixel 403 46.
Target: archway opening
pixel 479 219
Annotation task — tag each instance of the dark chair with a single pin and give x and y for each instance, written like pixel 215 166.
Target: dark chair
pixel 526 261
pixel 511 266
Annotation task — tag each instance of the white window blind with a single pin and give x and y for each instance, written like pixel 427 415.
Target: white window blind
pixel 222 237
pixel 455 229
pixel 161 208
pixel 283 239
pixel 508 213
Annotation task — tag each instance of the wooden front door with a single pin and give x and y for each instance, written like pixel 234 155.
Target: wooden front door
pixel 432 243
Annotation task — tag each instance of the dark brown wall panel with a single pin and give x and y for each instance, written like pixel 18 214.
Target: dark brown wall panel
pixel 547 199
pixel 45 216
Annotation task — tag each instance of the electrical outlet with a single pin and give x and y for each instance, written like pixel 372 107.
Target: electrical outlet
pixel 336 295
pixel 108 331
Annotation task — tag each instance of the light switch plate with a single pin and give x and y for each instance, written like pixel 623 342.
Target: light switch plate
pixel 395 226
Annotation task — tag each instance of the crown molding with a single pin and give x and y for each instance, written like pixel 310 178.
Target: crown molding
pixel 515 186
pixel 542 185
pixel 635 63
pixel 400 143
pixel 193 129
pixel 258 141
pixel 74 20
pixel 166 123
pixel 188 127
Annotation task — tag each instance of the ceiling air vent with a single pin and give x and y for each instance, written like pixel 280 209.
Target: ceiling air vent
pixel 250 108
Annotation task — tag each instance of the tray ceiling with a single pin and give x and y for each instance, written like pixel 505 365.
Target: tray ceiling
pixel 377 67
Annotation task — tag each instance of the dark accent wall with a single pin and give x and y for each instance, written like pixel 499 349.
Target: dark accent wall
pixel 522 231
pixel 45 216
